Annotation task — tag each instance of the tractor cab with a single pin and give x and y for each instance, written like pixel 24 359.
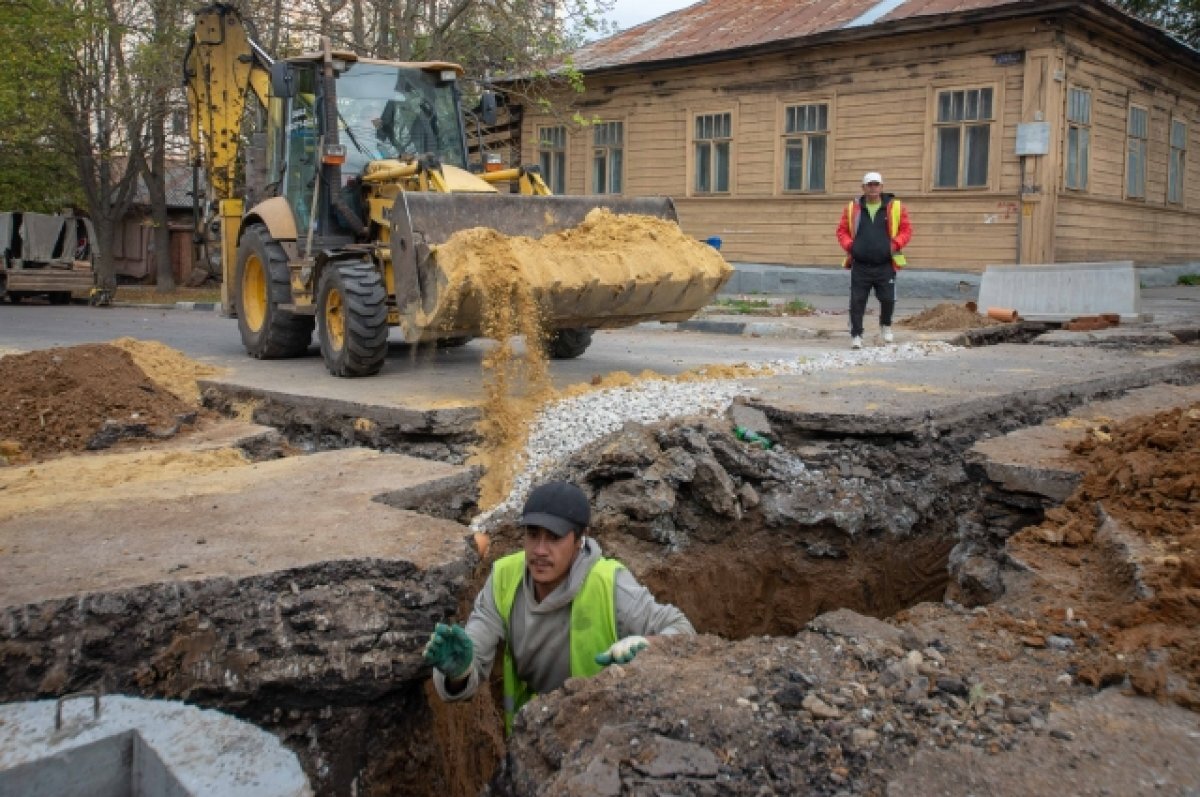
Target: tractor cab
pixel 379 111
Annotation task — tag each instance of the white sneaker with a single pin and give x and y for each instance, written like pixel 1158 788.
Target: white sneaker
pixel 888 337
pixel 856 342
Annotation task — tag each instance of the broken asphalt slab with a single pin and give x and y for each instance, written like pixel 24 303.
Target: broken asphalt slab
pixel 230 523
pixel 939 392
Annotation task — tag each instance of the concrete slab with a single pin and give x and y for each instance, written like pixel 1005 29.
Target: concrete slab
pixel 1113 337
pixel 1036 459
pixel 231 522
pixel 150 747
pixel 942 391
pixel 1062 291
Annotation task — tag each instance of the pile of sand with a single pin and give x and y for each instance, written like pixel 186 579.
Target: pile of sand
pixel 947 316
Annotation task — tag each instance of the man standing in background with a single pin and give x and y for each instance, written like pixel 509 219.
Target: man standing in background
pixel 873 232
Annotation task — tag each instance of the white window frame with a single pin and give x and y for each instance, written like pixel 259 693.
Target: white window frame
pixel 712 133
pixel 964 110
pixel 552 156
pixel 802 124
pixel 608 157
pixel 1077 163
pixel 1177 165
pixel 1137 147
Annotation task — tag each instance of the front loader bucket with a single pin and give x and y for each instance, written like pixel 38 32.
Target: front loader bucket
pixel 588 263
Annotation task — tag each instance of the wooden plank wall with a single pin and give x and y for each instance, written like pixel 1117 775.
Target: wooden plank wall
pixel 1100 222
pixel 882 104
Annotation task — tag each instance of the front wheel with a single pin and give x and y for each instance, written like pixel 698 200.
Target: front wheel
pixel 263 285
pixel 567 344
pixel 352 319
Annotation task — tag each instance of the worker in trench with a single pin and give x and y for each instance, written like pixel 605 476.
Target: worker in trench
pixel 561 607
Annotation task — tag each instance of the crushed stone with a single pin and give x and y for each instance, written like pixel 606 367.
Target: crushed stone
pixel 561 428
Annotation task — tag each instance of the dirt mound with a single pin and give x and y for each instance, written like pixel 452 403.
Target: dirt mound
pixel 947 316
pixel 66 400
pixel 1125 549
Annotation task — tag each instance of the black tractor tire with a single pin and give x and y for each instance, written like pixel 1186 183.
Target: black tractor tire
pixel 263 285
pixel 567 344
pixel 352 319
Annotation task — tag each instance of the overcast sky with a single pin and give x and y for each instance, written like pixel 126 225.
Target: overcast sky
pixel 627 13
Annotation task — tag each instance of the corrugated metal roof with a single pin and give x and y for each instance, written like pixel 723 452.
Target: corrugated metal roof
pixel 716 26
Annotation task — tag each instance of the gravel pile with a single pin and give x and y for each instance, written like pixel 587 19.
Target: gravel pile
pixel 563 427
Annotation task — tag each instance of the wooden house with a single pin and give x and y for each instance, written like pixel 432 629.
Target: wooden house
pixel 1016 131
pixel 134 239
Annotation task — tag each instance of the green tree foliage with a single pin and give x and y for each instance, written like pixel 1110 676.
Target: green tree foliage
pixel 1180 17
pixel 37 167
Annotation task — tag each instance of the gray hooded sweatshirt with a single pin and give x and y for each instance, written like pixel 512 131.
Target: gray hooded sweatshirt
pixel 541 631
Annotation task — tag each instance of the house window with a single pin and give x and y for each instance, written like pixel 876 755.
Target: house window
pixel 713 140
pixel 805 137
pixel 608 161
pixel 179 122
pixel 1178 159
pixel 964 135
pixel 552 156
pixel 1136 134
pixel 1079 137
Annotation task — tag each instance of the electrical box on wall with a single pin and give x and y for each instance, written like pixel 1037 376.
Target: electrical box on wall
pixel 1033 138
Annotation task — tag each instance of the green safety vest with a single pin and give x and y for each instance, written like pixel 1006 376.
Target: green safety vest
pixel 595 601
pixel 852 211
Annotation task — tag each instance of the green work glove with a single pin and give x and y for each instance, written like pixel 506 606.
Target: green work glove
pixel 622 651
pixel 449 650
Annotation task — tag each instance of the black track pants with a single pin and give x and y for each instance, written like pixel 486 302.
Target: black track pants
pixel 862 279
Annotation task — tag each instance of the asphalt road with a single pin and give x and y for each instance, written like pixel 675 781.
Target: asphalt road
pixel 425 375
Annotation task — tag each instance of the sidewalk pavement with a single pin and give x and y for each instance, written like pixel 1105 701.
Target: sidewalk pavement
pixel 1175 309
pixel 759 278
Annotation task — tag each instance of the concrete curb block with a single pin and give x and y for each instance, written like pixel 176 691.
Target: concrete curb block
pixel 759 278
pixel 761 329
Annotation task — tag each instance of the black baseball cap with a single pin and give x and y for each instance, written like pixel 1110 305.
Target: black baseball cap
pixel 559 507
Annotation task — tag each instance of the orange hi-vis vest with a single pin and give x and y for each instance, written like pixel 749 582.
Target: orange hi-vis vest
pixel 854 210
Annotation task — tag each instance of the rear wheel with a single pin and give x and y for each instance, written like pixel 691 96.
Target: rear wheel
pixel 567 344
pixel 352 319
pixel 263 285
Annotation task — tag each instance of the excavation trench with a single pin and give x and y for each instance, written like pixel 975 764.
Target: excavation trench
pixel 749 543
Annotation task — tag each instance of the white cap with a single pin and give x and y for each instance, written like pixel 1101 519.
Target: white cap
pixel 872 177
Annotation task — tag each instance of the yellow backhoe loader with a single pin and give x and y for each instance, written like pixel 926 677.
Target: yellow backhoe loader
pixel 362 176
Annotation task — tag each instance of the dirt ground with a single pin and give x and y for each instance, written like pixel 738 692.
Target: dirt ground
pixel 1124 553
pixel 947 316
pixel 62 401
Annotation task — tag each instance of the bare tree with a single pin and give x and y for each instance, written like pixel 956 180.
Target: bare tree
pixel 106 123
pixel 157 68
pixel 525 42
